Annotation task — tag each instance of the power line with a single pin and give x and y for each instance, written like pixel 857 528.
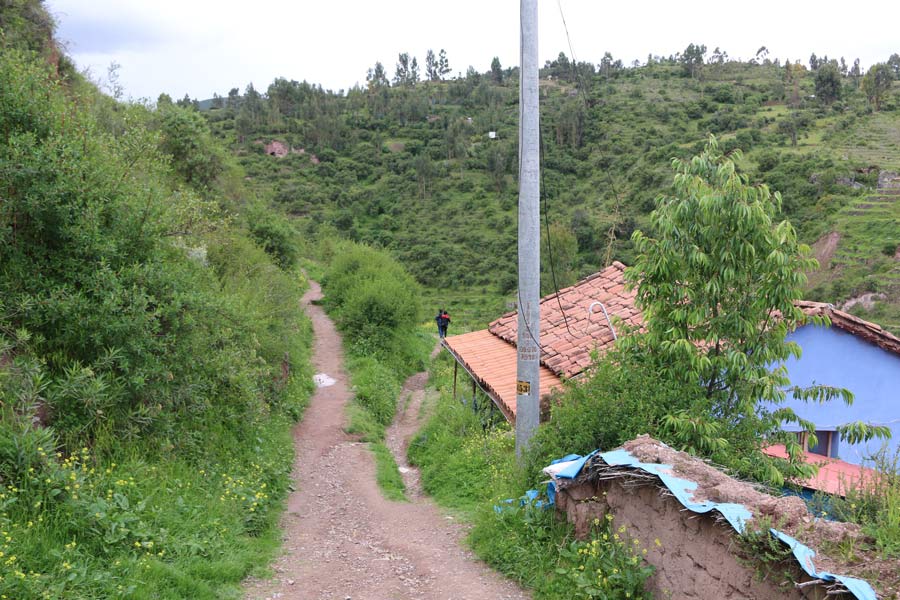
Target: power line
pixel 583 92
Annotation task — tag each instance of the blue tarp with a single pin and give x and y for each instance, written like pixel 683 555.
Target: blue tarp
pixel 805 555
pixel 736 514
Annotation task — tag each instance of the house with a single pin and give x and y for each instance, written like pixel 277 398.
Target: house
pixel 853 354
pixel 573 324
pixel 835 476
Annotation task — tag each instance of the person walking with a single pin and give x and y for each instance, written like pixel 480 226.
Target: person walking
pixel 443 320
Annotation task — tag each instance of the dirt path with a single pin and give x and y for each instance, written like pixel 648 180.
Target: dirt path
pixel 342 539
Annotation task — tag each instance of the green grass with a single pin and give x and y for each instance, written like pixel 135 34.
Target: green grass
pixel 374 303
pixel 869 225
pixel 387 474
pixel 144 525
pixel 470 308
pixel 361 422
pixel 468 466
pixel 874 140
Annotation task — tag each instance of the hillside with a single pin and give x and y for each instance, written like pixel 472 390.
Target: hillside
pixel 415 168
pixel 153 356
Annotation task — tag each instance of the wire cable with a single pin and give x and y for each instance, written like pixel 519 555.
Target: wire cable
pixel 579 76
pixel 549 239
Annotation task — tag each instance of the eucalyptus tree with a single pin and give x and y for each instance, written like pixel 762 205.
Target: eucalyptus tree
pixel 443 64
pixel 432 69
pixel 877 83
pixel 828 82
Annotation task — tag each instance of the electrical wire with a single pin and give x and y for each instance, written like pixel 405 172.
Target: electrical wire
pixel 583 92
pixel 579 77
pixel 549 239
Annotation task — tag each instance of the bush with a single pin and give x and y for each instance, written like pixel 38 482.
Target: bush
pixel 373 298
pixel 148 367
pixel 468 463
pixel 376 387
pixel 619 398
pixel 276 235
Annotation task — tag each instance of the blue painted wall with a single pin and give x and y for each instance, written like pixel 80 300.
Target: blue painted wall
pixel 834 357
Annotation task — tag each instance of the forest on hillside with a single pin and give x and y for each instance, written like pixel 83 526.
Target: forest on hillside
pixel 425 166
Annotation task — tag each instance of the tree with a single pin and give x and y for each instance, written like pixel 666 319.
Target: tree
pixel 496 71
pixel 813 62
pixel 828 83
pixel 414 72
pixel 894 63
pixel 761 55
pixel 793 73
pixel 443 64
pixel 376 78
pixel 424 172
pixel 234 98
pixel 401 71
pixel 719 57
pixel 856 73
pixel 692 59
pixel 876 83
pixel 497 164
pixel 432 72
pixel 717 288
pixel 185 136
pixel 606 65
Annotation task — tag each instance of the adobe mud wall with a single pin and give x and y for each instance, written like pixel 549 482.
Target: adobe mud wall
pixel 695 557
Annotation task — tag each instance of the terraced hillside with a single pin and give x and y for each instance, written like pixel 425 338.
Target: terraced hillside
pixel 874 140
pixel 861 255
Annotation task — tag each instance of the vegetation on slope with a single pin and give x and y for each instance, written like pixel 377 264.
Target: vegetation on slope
pixel 411 167
pixel 152 353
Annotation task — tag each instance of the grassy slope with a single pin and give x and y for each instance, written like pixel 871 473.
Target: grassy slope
pixel 453 224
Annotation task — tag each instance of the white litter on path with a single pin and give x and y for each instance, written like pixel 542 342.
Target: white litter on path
pixel 322 380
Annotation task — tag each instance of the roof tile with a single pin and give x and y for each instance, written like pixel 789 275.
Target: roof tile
pixel 574 331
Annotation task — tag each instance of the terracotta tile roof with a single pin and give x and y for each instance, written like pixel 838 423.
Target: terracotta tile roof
pixel 871 332
pixel 566 350
pixel 492 363
pixel 835 476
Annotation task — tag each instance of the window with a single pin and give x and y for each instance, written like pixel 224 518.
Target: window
pixel 827 442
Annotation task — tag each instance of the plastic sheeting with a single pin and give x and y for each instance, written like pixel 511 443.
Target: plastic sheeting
pixel 737 515
pixel 804 555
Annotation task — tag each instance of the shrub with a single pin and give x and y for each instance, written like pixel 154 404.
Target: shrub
pixel 376 387
pixel 619 398
pixel 373 298
pixel 146 365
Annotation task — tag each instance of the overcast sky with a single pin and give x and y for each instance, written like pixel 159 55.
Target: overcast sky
pixel 198 47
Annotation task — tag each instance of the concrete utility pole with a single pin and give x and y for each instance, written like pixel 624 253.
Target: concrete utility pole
pixel 528 385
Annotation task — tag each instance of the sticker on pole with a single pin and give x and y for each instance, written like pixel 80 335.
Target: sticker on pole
pixel 523 387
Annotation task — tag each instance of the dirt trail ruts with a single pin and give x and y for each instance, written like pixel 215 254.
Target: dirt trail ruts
pixel 342 539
